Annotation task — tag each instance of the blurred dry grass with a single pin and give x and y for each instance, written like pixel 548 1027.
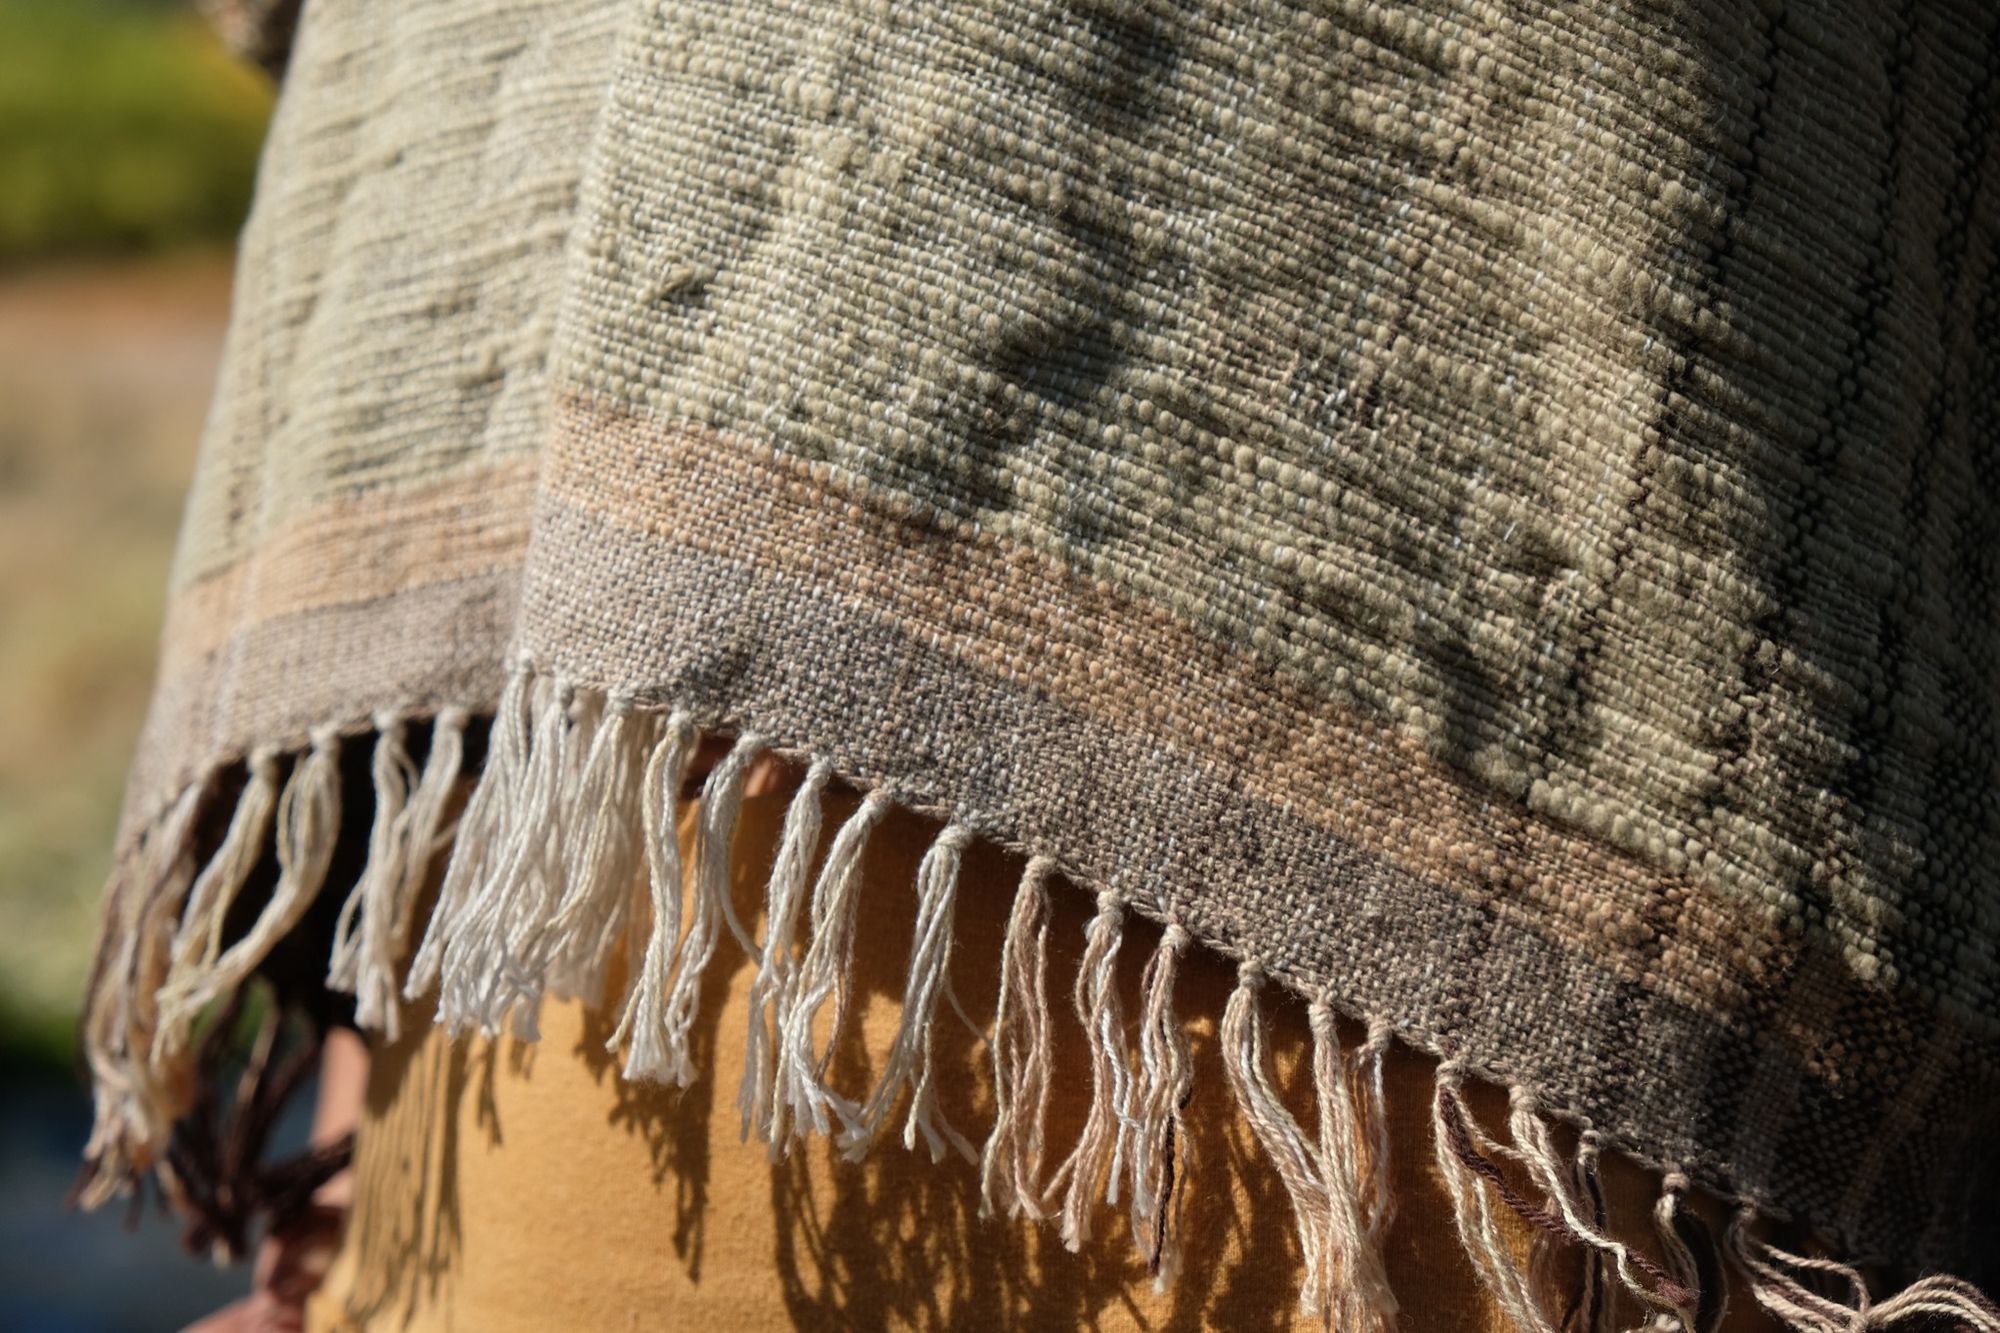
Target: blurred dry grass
pixel 128 143
pixel 105 373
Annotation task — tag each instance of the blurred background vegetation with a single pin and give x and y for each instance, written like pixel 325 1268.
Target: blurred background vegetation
pixel 123 127
pixel 128 145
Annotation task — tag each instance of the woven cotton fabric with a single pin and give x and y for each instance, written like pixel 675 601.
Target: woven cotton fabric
pixel 1486 512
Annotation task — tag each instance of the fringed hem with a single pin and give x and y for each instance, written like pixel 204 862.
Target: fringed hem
pixel 544 887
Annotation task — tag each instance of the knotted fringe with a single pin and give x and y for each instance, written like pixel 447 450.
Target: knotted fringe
pixel 1100 1152
pixel 650 1055
pixel 566 858
pixel 599 851
pixel 1467 1172
pixel 308 822
pixel 1362 1299
pixel 197 944
pixel 1680 1232
pixel 1573 1216
pixel 1592 1308
pixel 372 933
pixel 722 803
pixel 362 954
pixel 1372 1102
pixel 1579 1200
pixel 802 1097
pixel 1011 1168
pixel 131 1094
pixel 910 1054
pixel 473 850
pixel 482 978
pixel 1345 1281
pixel 1166 1082
pixel 1931 1302
pixel 774 990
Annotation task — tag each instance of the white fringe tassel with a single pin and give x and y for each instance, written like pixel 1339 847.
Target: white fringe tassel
pixel 1479 1227
pixel 1344 1279
pixel 1360 1297
pixel 774 990
pixel 642 1029
pixel 1930 1302
pixel 479 829
pixel 308 822
pixel 722 802
pixel 1559 1181
pixel 1668 1211
pixel 601 834
pixel 543 890
pixel 1100 1151
pixel 198 942
pixel 131 1093
pixel 909 1059
pixel 802 1096
pixel 1160 1151
pixel 1010 1170
pixel 372 934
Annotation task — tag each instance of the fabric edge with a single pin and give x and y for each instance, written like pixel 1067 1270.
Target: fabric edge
pixel 576 794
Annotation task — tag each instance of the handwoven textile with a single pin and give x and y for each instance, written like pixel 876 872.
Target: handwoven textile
pixel 513 1189
pixel 1482 515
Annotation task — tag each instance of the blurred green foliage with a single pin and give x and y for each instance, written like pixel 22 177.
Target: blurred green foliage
pixel 123 126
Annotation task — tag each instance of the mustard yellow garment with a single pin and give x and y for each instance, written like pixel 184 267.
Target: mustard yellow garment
pixel 504 1186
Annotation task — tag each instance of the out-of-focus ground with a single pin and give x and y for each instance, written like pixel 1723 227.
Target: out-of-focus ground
pixel 105 370
pixel 128 143
pixel 128 149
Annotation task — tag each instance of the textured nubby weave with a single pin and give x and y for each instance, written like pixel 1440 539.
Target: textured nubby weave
pixel 1485 514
